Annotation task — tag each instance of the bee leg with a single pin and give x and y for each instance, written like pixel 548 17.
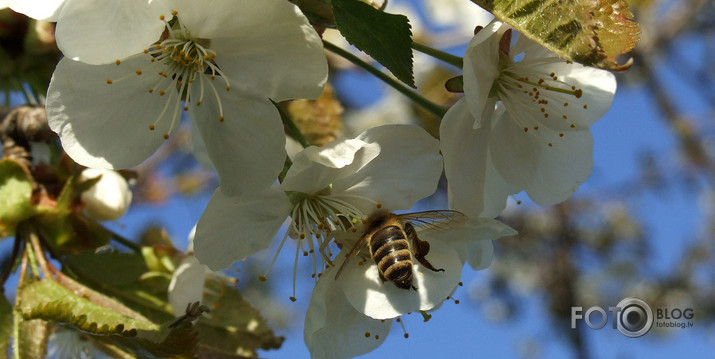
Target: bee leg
pixel 421 248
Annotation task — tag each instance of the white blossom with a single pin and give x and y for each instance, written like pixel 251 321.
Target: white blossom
pixel 522 125
pixel 225 61
pixel 326 190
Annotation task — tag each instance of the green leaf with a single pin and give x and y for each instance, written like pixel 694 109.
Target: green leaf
pixel 15 195
pixel 49 301
pixel 589 32
pixel 127 277
pixel 233 328
pixel 5 323
pixel 385 37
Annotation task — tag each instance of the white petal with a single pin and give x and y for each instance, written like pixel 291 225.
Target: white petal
pixel 407 169
pixel 481 67
pixel 187 285
pixel 232 228
pixel 46 10
pixel 474 186
pixel 198 148
pixel 514 152
pixel 479 254
pixel 562 168
pixel 366 292
pixel 267 45
pixel 334 329
pixel 248 147
pixel 102 31
pixel 598 86
pixel 103 125
pixel 314 168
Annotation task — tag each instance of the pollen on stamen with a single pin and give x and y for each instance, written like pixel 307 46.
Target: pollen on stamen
pixel 302 236
pixel 536 128
pixel 585 106
pixel 367 334
pixel 118 61
pixel 213 77
pixel 377 336
pixel 561 135
pixel 573 126
pixel 546 115
pixel 551 144
pixel 186 108
pixel 138 72
pixel 198 103
pixel 151 127
pixel 378 205
pixel 162 92
pixel 578 93
pixel 526 129
pixel 162 17
pixel 305 254
pixel 174 12
pixel 228 88
pixel 151 90
pixel 566 104
pixel 262 278
pixel 293 299
pixel 460 284
pixel 166 136
pixel 146 51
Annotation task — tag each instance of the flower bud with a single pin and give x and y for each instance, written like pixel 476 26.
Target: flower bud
pixel 109 198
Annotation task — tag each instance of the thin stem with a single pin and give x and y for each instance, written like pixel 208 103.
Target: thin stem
pixel 428 105
pixel 16 318
pixel 127 243
pixel 439 55
pixel 294 130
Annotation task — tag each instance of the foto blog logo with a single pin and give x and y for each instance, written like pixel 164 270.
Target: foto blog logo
pixel 633 317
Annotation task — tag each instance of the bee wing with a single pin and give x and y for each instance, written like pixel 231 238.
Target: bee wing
pixel 356 248
pixel 434 221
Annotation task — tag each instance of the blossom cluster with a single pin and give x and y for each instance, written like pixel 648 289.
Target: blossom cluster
pixel 132 68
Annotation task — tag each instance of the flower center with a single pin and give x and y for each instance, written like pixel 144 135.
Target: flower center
pixel 320 216
pixel 535 97
pixel 177 61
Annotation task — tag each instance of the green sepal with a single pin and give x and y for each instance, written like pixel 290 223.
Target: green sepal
pixel 15 195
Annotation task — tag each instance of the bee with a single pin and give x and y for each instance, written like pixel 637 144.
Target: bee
pixel 392 242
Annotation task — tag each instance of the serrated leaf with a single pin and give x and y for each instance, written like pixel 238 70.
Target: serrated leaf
pixel 49 301
pixel 589 32
pixel 15 195
pixel 233 328
pixel 387 38
pixel 5 323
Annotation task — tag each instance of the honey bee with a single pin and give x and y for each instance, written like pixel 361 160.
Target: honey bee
pixel 392 241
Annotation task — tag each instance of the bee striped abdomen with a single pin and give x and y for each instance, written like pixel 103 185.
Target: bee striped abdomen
pixel 391 252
